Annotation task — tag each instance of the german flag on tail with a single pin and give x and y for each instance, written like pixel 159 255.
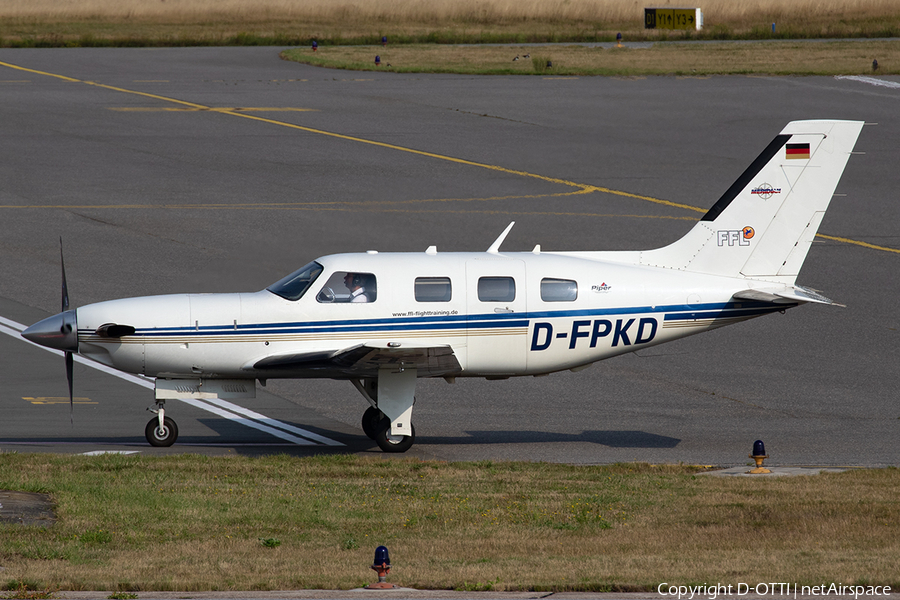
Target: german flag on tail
pixel 797 151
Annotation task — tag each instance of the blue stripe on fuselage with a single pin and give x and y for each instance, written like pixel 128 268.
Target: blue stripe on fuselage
pixel 457 322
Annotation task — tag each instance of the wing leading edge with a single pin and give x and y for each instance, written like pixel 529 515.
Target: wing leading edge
pixel 360 361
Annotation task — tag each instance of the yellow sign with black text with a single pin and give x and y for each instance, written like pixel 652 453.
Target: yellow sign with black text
pixel 672 18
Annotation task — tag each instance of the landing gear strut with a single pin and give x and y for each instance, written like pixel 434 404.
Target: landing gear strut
pixel 161 431
pixel 391 397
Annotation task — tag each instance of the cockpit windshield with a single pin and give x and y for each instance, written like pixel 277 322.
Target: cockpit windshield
pixel 295 285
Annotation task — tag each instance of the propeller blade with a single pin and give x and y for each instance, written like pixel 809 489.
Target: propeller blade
pixel 65 288
pixel 70 360
pixel 70 364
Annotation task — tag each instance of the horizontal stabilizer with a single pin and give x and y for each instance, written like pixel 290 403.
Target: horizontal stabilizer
pixel 788 295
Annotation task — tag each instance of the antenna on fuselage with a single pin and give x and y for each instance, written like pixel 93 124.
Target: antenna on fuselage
pixel 495 247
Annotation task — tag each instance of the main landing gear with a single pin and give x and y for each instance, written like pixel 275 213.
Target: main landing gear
pixel 161 431
pixel 377 427
pixel 387 420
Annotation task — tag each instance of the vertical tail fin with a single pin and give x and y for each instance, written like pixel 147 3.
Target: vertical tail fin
pixel 762 227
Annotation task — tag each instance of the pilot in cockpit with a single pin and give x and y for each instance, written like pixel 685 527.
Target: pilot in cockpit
pixel 355 283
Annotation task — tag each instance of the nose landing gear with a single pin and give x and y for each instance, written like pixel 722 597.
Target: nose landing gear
pixel 161 431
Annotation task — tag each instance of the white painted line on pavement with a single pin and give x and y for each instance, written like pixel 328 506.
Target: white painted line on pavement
pixel 221 408
pixel 870 80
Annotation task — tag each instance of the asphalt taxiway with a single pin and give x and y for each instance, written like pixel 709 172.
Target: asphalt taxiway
pixel 223 169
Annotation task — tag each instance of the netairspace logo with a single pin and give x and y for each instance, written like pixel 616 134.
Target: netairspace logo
pixel 793 590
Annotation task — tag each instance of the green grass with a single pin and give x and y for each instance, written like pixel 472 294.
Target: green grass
pixel 193 523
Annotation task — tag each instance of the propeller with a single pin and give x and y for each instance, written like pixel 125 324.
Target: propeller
pixel 70 359
pixel 60 332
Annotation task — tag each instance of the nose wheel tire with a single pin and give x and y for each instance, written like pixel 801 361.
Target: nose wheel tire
pixel 161 437
pixel 370 420
pixel 393 443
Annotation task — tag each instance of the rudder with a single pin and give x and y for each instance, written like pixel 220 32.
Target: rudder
pixel 763 225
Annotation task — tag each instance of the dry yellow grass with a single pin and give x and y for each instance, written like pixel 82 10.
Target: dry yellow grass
pixel 274 21
pixel 440 11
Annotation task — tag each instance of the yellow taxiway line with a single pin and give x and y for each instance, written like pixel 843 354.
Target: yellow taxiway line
pixel 244 113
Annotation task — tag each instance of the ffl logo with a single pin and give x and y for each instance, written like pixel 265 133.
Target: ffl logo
pixel 735 237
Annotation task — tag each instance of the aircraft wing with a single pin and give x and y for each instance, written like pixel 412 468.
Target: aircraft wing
pixel 363 360
pixel 786 295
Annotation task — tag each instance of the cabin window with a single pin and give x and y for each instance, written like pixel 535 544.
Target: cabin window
pixel 496 289
pixel 295 285
pixel 348 287
pixel 558 290
pixel 433 289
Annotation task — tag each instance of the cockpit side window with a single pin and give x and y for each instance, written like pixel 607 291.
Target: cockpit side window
pixel 295 285
pixel 349 286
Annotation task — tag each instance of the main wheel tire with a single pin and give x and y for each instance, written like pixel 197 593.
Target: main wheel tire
pixel 370 420
pixel 393 443
pixel 161 438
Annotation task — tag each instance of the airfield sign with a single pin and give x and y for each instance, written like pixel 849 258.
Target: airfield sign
pixel 673 18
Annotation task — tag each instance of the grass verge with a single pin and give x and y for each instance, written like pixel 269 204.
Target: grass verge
pixel 297 22
pixel 770 58
pixel 194 523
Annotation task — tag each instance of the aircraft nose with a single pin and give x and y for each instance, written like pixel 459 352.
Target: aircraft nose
pixel 59 332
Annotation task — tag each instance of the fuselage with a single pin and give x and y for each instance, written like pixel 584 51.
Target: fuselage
pixel 502 314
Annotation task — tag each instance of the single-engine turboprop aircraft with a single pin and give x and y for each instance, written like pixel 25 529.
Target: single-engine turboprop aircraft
pixel 381 320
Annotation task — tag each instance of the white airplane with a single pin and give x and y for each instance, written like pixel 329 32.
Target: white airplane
pixel 382 320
